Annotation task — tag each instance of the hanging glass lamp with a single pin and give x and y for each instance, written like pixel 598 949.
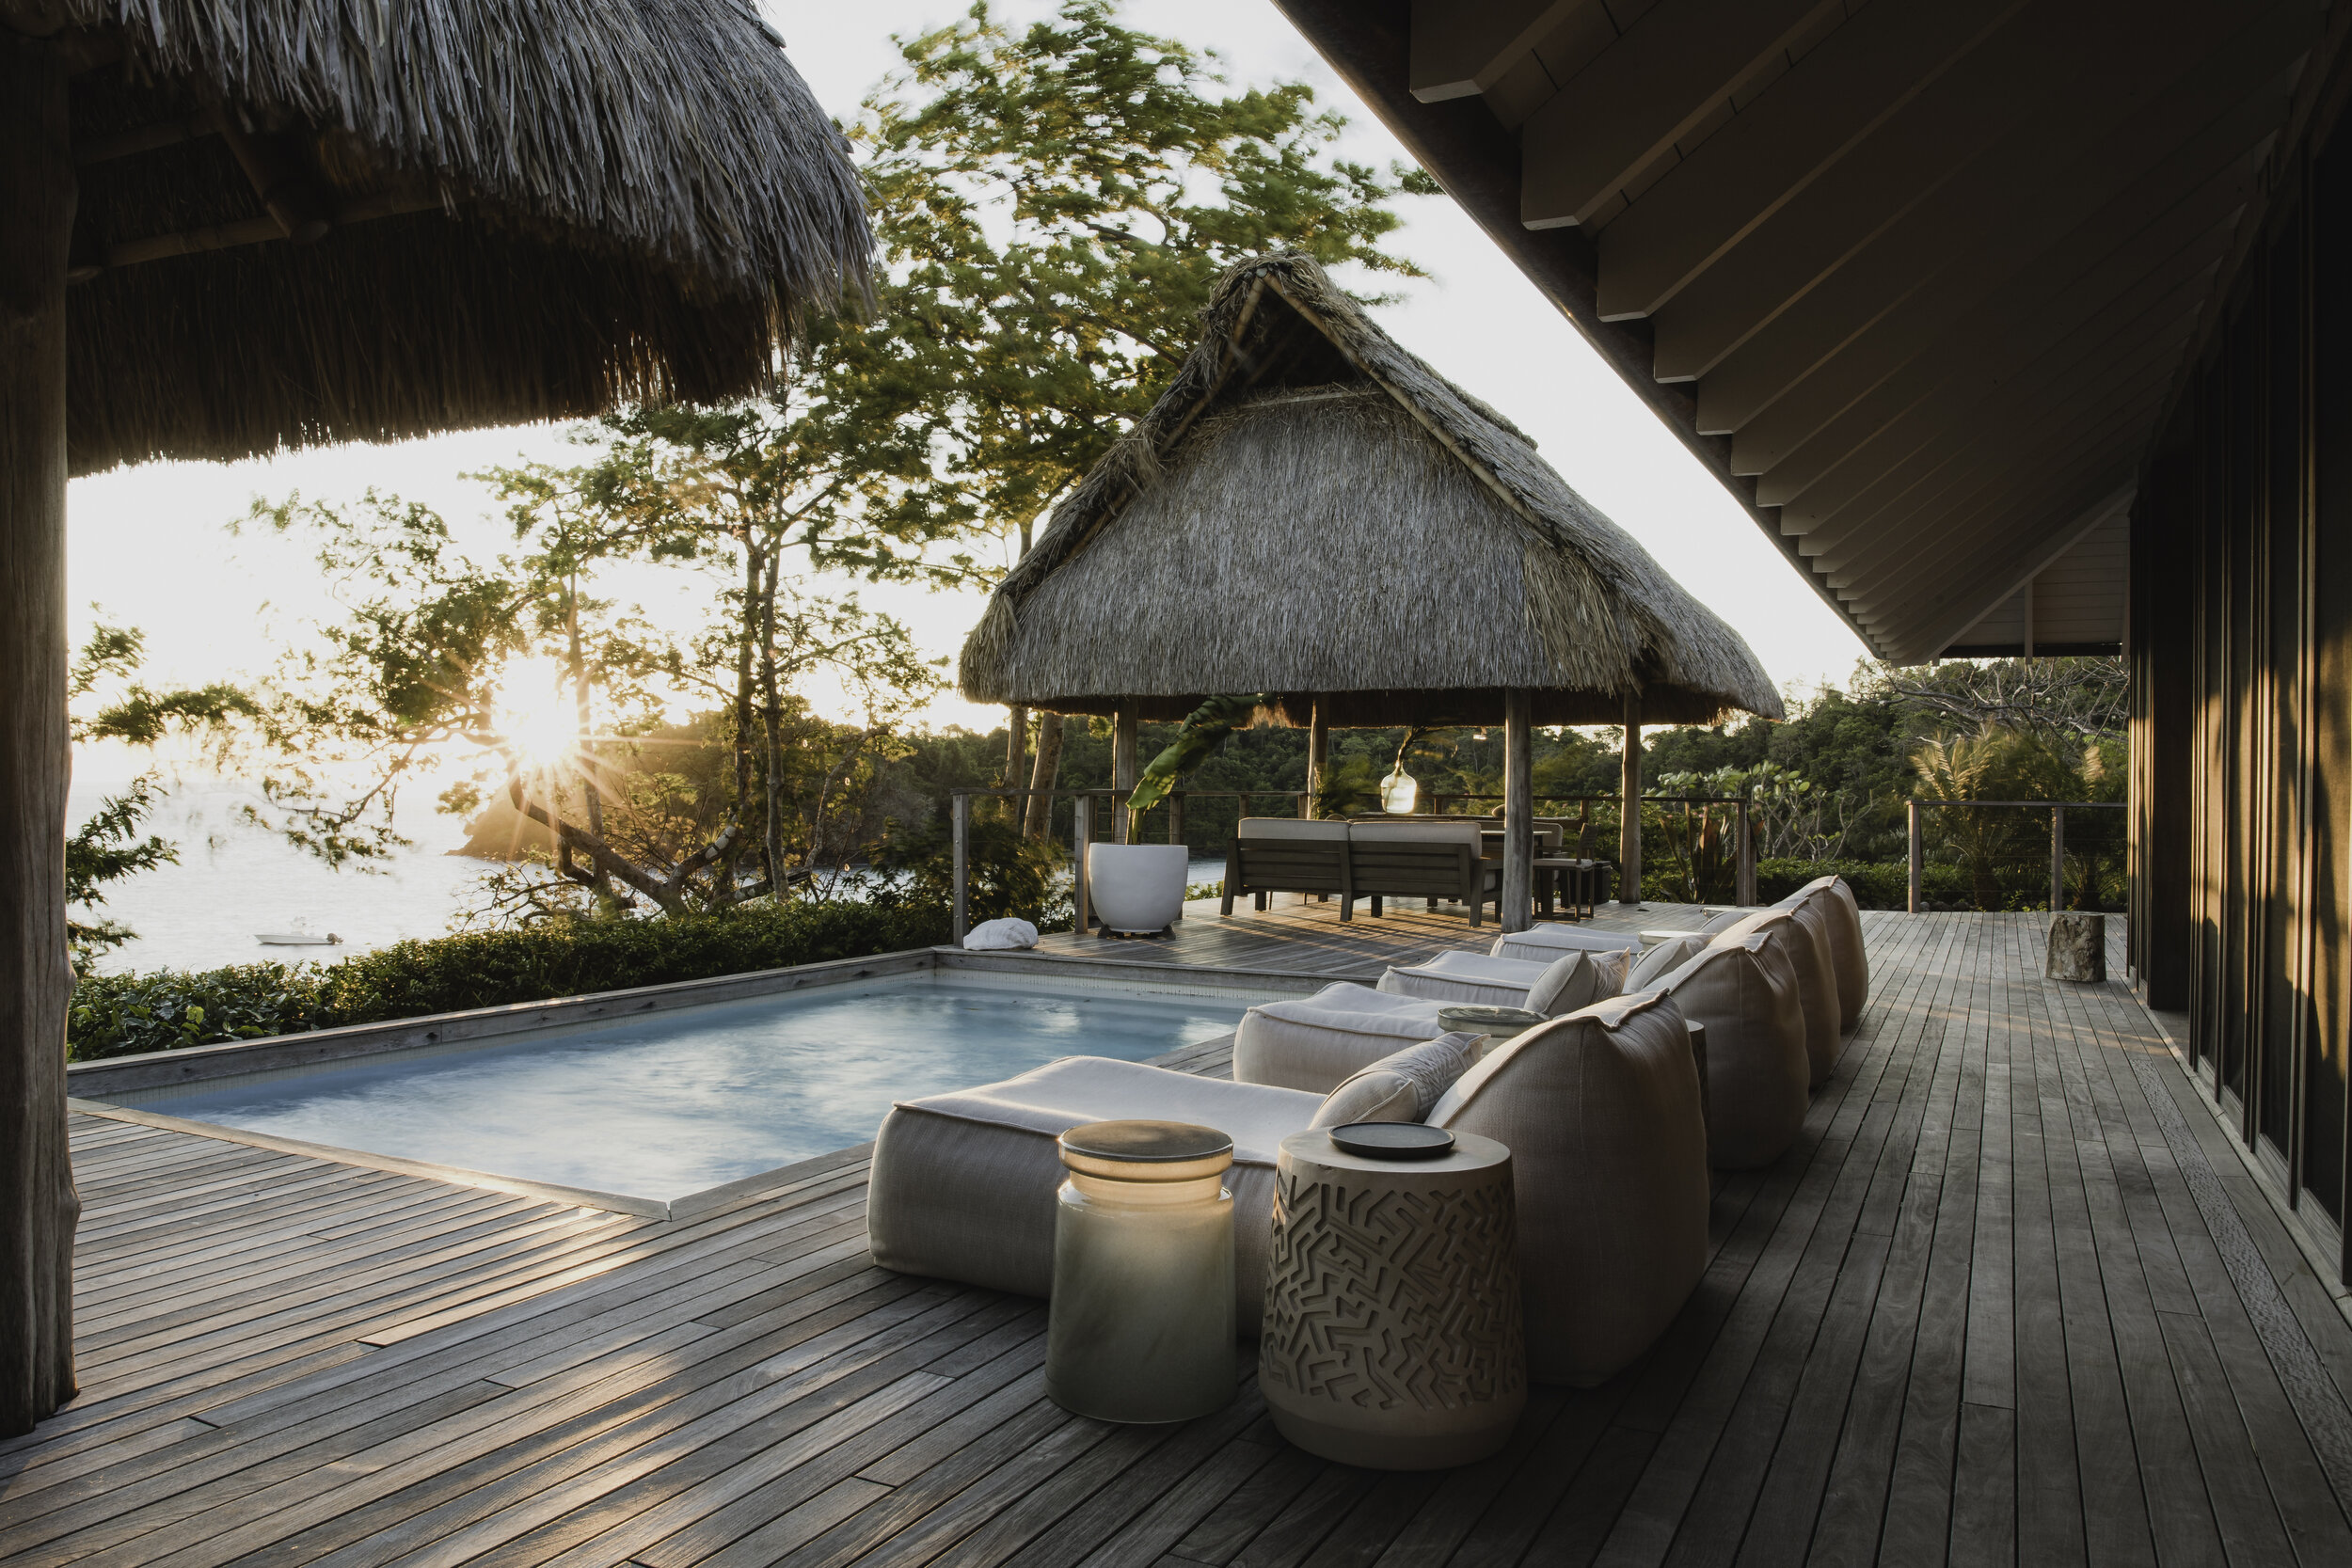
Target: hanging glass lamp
pixel 1398 791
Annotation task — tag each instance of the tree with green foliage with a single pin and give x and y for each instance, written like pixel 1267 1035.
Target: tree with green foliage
pixel 1055 205
pixel 110 846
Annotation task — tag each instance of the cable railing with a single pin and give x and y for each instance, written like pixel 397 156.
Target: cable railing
pixel 1996 862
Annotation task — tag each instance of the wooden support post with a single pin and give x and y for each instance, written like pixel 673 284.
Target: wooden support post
pixel 1124 771
pixel 1016 754
pixel 1318 754
pixel 1629 809
pixel 960 818
pixel 1081 835
pixel 1518 811
pixel 1743 880
pixel 1918 858
pixel 2058 859
pixel 1038 821
pixel 38 1205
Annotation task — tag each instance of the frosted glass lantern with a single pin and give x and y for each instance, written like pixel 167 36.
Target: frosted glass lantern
pixel 1398 792
pixel 1141 1323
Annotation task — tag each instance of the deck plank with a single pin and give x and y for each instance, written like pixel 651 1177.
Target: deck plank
pixel 2010 1298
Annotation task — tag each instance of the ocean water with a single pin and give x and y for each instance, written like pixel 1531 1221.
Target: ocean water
pixel 234 881
pixel 662 1106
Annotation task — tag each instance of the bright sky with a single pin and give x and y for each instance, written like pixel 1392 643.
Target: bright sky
pixel 151 545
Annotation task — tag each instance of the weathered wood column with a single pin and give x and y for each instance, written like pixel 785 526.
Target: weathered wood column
pixel 1124 770
pixel 38 1205
pixel 1036 820
pixel 1016 754
pixel 1518 811
pixel 1630 810
pixel 1318 753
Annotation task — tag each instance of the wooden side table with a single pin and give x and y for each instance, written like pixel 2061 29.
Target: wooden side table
pixel 1392 1332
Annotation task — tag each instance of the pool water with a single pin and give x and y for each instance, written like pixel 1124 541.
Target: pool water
pixel 673 1104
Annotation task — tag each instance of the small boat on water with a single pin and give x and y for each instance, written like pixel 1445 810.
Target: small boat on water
pixel 301 936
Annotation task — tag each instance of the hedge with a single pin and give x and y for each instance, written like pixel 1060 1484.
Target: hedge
pixel 120 1015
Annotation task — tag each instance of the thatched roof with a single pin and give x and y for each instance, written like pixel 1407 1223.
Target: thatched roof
pixel 1312 511
pixel 524 209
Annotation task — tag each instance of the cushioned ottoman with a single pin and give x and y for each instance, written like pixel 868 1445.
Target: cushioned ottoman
pixel 1313 1042
pixel 1600 1111
pixel 963 1184
pixel 1817 979
pixel 1543 943
pixel 1846 951
pixel 1568 981
pixel 1745 995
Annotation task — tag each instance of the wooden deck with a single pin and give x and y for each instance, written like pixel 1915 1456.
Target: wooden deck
pixel 2010 1299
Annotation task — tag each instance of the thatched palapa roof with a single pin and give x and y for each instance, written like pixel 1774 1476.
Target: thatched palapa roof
pixel 306 220
pixel 1312 511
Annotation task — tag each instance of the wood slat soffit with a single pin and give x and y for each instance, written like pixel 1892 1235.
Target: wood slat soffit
pixel 1915 279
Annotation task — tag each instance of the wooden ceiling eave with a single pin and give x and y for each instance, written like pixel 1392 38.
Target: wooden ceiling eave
pixel 1932 271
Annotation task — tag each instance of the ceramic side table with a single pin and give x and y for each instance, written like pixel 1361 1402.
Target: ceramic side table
pixel 1393 1334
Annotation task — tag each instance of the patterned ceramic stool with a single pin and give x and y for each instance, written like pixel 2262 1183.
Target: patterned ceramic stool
pixel 1393 1335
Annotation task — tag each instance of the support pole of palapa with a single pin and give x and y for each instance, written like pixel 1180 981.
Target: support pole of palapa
pixel 1630 810
pixel 1518 811
pixel 1124 770
pixel 38 1207
pixel 1318 753
pixel 1038 821
pixel 1016 754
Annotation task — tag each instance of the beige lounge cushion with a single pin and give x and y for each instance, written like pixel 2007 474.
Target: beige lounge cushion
pixel 1287 827
pixel 1816 981
pixel 1848 954
pixel 1312 1042
pixel 1745 995
pixel 1570 981
pixel 1401 1087
pixel 962 1185
pixel 1546 943
pixel 1718 924
pixel 1658 962
pixel 1466 831
pixel 1600 1111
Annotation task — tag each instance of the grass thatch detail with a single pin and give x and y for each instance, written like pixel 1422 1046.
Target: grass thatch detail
pixel 1310 510
pixel 630 198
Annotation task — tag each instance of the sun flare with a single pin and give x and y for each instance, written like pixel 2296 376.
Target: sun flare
pixel 535 713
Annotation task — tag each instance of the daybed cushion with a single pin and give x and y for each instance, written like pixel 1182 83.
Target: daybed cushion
pixel 1312 1042
pixel 1848 953
pixel 1723 922
pixel 1545 943
pixel 1464 831
pixel 1745 995
pixel 1570 981
pixel 1401 1087
pixel 1600 1111
pixel 963 1184
pixel 1658 962
pixel 1817 982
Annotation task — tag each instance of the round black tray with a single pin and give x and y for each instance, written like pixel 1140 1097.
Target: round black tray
pixel 1394 1140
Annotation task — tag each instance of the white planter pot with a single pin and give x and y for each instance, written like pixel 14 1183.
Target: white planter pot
pixel 1136 887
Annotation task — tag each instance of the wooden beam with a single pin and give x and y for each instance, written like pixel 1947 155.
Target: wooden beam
pixel 1940 504
pixel 279 174
pixel 1125 767
pixel 1519 811
pixel 146 138
pixel 2115 145
pixel 1680 62
pixel 1629 804
pixel 2044 415
pixel 1999 123
pixel 2041 320
pixel 228 236
pixel 1318 751
pixel 1463 47
pixel 38 1205
pixel 1367 43
pixel 1828 104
